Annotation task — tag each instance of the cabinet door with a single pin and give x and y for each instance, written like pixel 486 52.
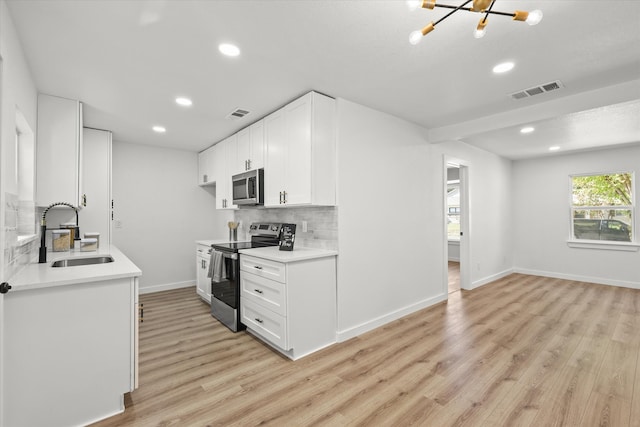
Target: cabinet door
pixel 59 151
pixel 298 171
pixel 225 154
pixel 205 167
pixel 219 172
pixel 96 212
pixel 203 283
pixel 275 136
pixel 243 152
pixel 256 157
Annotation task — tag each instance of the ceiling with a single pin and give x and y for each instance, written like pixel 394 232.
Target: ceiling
pixel 128 60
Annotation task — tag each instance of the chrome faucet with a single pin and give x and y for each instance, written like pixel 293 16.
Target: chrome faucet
pixel 43 229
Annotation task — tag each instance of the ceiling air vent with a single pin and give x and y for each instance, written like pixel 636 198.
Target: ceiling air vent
pixel 238 113
pixel 547 87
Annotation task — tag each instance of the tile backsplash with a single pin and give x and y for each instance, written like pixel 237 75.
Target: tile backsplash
pixel 322 223
pixel 18 220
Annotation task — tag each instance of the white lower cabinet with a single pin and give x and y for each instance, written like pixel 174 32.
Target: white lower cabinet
pixel 203 283
pixel 289 305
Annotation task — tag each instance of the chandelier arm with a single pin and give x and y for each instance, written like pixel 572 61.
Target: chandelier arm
pixel 452 12
pixel 488 11
pixel 468 9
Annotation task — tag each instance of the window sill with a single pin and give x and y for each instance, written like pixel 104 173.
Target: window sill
pixel 608 246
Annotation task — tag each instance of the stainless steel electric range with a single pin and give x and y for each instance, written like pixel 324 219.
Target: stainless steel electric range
pixel 225 286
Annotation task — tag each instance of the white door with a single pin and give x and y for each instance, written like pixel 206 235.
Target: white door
pixel 96 215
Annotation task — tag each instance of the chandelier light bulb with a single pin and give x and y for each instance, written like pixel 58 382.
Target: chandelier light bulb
pixel 415 37
pixel 479 33
pixel 534 18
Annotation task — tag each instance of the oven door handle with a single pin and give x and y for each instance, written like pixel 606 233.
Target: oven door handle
pixel 230 256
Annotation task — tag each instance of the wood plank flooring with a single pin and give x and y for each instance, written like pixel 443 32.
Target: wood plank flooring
pixel 454 276
pixel 522 351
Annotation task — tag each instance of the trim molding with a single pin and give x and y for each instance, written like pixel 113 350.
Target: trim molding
pixel 578 278
pixel 491 278
pixel 387 318
pixel 166 287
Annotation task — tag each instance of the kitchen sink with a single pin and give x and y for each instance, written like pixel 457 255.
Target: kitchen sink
pixel 70 262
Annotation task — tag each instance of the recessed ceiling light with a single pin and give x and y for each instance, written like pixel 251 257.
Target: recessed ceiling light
pixel 185 102
pixel 554 148
pixel 528 129
pixel 229 49
pixel 159 129
pixel 503 68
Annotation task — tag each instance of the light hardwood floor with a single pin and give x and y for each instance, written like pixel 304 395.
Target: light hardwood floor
pixel 454 276
pixel 524 350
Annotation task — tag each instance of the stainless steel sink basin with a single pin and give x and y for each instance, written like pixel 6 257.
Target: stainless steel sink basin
pixel 82 261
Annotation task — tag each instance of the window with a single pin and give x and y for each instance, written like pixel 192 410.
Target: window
pixel 453 210
pixel 602 207
pixel 25 176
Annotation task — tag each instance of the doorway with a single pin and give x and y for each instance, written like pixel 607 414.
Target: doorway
pixel 456 225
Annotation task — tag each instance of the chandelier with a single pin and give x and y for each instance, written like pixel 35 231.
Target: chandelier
pixel 480 6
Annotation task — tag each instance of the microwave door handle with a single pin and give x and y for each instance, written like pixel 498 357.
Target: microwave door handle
pixel 246 187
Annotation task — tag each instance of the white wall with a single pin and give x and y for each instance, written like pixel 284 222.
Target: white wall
pixel 490 225
pixel 17 90
pixel 540 209
pixel 163 212
pixel 390 212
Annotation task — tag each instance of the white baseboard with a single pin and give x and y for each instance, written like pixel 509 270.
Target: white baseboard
pixel 390 317
pixel 490 279
pixel 579 278
pixel 166 287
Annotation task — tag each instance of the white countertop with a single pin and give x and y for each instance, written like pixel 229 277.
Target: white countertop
pixel 36 275
pixel 274 253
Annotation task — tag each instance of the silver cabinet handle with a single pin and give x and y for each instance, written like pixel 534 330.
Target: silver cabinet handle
pixel 258 291
pixel 246 165
pixel 205 178
pixel 257 267
pixel 259 320
pixel 281 197
pixel 285 197
pixel 249 164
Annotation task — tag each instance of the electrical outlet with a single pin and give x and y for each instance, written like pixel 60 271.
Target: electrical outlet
pixel 304 226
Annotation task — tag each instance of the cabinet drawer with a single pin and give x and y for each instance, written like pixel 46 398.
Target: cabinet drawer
pixel 267 293
pixel 264 322
pixel 263 268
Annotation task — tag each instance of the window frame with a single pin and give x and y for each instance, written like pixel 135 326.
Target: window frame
pixel 632 245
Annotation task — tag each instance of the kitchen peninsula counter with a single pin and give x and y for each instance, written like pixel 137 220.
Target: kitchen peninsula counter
pixel 70 340
pixel 36 275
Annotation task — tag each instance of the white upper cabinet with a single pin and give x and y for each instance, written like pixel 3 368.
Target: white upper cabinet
pixel 205 167
pixel 250 148
pixel 59 151
pixel 224 157
pixel 300 164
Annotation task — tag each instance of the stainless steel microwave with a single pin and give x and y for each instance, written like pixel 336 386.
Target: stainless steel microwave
pixel 248 188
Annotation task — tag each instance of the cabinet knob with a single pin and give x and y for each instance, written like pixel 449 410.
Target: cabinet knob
pixel 84 200
pixel 257 267
pixel 259 320
pixel 257 291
